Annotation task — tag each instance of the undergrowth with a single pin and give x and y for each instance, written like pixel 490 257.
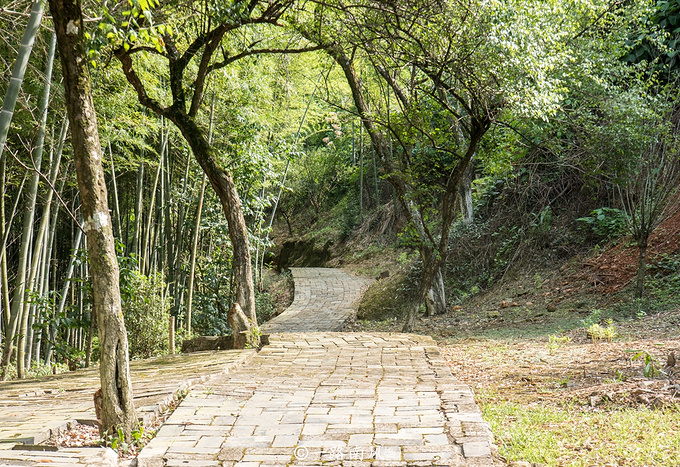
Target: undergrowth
pixel 572 435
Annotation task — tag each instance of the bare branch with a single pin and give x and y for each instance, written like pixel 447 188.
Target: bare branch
pixel 274 50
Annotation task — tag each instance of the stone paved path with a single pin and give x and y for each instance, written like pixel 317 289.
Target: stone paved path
pixel 328 398
pixel 32 410
pixel 324 300
pixel 307 398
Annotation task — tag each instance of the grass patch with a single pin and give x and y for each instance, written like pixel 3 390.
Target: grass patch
pixel 573 435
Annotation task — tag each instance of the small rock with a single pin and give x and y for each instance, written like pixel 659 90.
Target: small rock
pixel 530 303
pixel 551 308
pixel 383 275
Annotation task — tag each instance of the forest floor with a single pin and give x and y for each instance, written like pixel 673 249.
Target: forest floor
pixel 567 367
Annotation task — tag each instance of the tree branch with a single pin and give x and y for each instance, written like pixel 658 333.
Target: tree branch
pixel 133 79
pixel 246 53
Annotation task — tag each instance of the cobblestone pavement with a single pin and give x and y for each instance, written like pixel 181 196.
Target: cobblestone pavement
pixel 329 399
pixel 307 398
pixel 32 410
pixel 324 300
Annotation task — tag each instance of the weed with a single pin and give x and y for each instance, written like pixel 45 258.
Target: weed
pixel 555 342
pixel 605 223
pixel 538 281
pixel 618 378
pixel 592 318
pixel 564 381
pixel 598 333
pixel 118 443
pixel 652 367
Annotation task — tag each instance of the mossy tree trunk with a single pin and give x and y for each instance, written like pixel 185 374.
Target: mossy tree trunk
pixel 117 404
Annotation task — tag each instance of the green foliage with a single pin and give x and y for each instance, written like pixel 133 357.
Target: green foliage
pixel 213 296
pixel 118 443
pixel 555 342
pixel 264 306
pixel 598 332
pixel 651 367
pixel 592 318
pixel 146 312
pixel 664 283
pixel 55 327
pixel 605 223
pixel 656 40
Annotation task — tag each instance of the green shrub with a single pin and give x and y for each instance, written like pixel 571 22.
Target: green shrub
pixel 605 223
pixel 146 312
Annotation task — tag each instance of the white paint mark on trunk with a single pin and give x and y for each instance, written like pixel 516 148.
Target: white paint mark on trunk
pixel 98 222
pixel 71 28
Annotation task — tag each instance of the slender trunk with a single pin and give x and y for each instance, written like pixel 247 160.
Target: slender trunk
pixel 10 100
pixel 194 253
pixel 178 245
pixel 167 241
pixel 3 263
pixel 90 340
pixel 145 255
pixel 139 206
pixel 37 155
pixel 114 184
pixel 117 402
pixel 361 184
pixel 4 292
pixel 642 269
pixel 375 180
pixel 64 292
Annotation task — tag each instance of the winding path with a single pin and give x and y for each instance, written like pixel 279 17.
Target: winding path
pixel 324 300
pixel 310 397
pixel 328 398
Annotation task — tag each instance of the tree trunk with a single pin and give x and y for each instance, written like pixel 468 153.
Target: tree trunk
pixel 10 100
pixel 6 316
pixel 435 302
pixel 225 188
pixel 139 206
pixel 117 403
pixel 642 269
pixel 4 285
pixel 194 253
pixel 145 254
pixel 465 193
pixel 114 184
